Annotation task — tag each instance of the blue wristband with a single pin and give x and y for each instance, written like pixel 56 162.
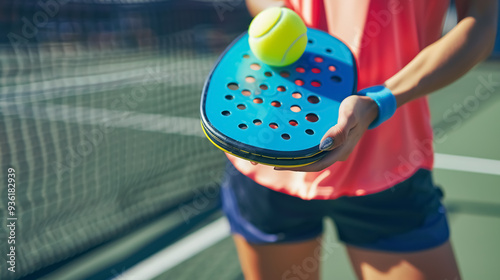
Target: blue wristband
pixel 385 100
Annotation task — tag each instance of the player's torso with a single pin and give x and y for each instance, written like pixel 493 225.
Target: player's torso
pixel 384 35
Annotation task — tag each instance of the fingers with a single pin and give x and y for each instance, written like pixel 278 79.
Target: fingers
pixel 339 154
pixel 337 135
pixel 341 139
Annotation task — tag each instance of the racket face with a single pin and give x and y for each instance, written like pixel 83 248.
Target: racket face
pixel 277 112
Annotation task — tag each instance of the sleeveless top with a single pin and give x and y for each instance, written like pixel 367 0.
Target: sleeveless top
pixel 384 35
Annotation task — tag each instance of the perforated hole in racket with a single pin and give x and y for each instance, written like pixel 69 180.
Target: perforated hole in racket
pixel 295 108
pixel 313 99
pixel 258 100
pixel 233 86
pixel 255 66
pixel 249 79
pixel 285 74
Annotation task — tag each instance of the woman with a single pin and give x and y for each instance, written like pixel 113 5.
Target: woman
pixel 375 183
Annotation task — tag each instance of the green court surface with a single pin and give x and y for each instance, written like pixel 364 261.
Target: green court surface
pixel 117 180
pixel 473 199
pixel 468 132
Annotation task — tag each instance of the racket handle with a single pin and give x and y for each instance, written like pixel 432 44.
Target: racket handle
pixel 385 100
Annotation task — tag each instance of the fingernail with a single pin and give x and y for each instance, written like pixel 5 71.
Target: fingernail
pixel 326 144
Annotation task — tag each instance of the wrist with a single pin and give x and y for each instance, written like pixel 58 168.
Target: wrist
pixel 385 103
pixel 371 112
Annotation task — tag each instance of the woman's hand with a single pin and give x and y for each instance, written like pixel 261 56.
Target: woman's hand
pixel 356 113
pixel 257 6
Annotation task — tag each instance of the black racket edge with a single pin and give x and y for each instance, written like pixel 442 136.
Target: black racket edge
pixel 254 150
pixel 265 159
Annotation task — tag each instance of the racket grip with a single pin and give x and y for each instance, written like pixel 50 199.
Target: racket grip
pixel 385 100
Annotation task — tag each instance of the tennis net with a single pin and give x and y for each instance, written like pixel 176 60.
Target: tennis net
pixel 99 117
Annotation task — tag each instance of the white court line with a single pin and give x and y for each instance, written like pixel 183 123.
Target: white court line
pixel 468 164
pixel 107 118
pixel 83 85
pixel 90 81
pixel 182 250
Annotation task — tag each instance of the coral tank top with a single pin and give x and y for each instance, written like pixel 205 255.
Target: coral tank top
pixel 384 35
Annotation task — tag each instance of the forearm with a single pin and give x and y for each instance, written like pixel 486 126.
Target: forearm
pixel 256 6
pixel 446 60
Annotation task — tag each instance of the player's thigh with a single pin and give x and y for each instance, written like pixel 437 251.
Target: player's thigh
pixel 283 261
pixel 277 236
pixel 436 263
pixel 399 233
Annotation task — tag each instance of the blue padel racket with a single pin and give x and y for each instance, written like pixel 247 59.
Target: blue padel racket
pixel 277 115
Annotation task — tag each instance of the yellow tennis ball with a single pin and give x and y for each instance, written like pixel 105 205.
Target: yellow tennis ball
pixel 277 36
